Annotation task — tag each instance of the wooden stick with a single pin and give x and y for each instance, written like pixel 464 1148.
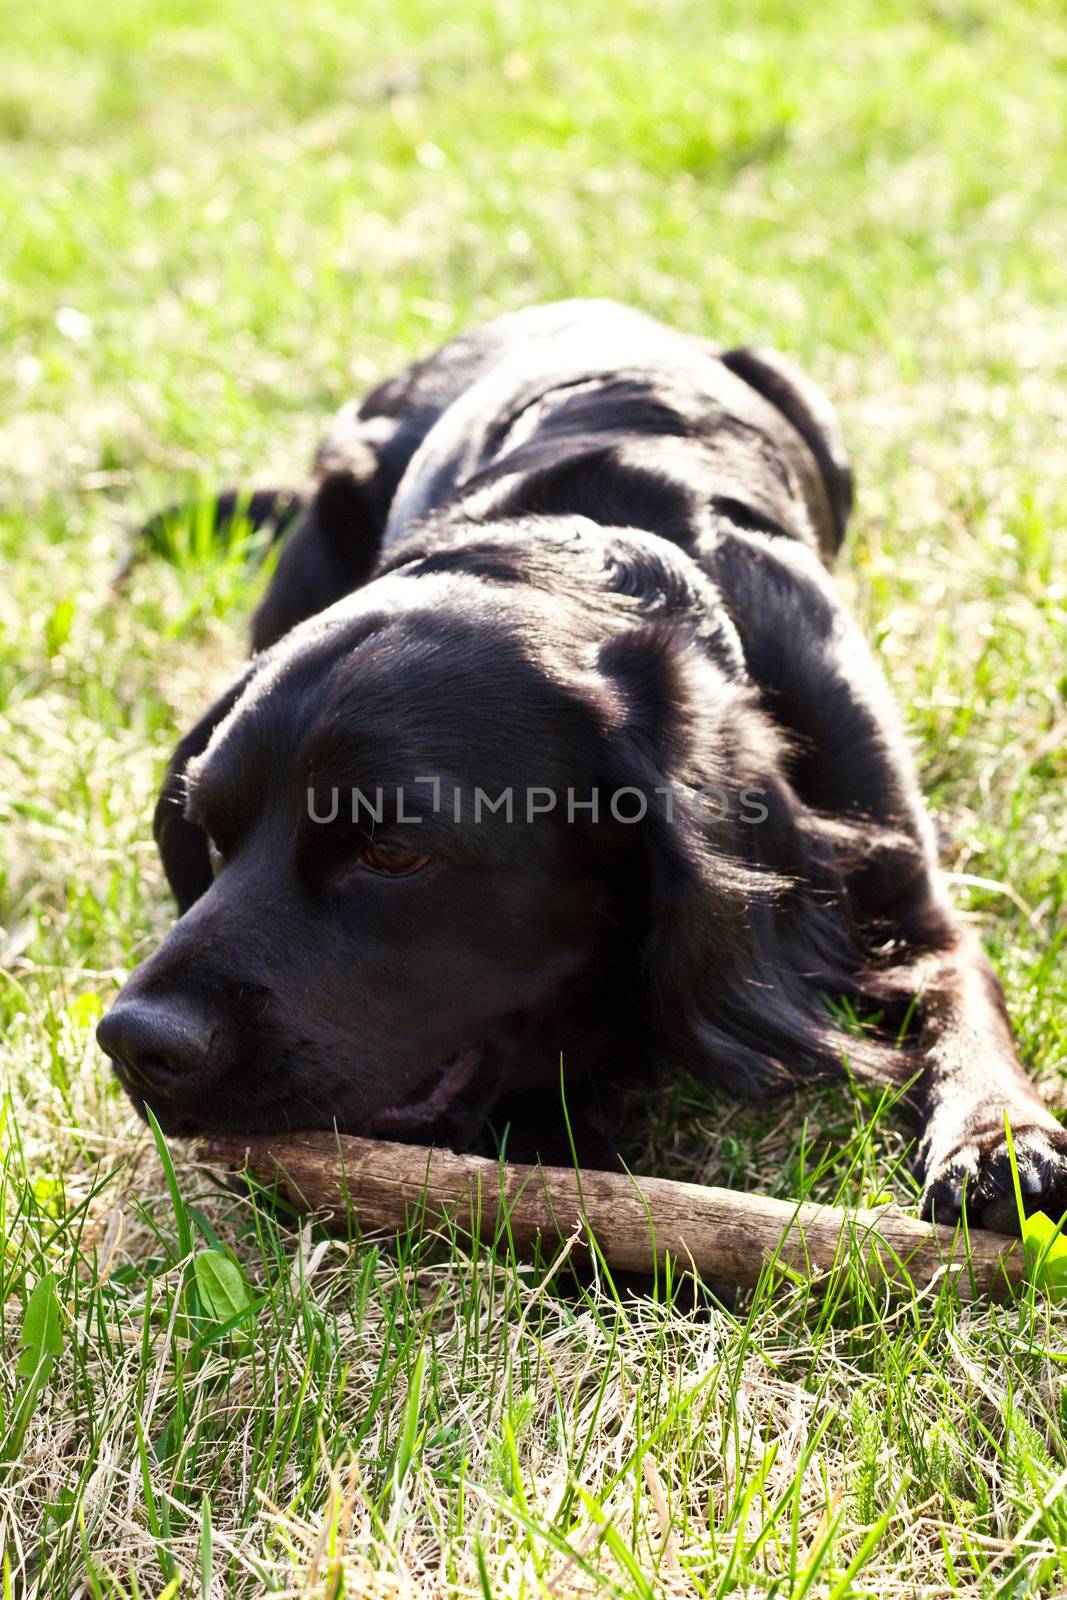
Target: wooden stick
pixel 725 1235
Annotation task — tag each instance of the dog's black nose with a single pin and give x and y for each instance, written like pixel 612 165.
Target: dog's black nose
pixel 155 1044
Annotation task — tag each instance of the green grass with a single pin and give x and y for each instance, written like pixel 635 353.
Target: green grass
pixel 217 222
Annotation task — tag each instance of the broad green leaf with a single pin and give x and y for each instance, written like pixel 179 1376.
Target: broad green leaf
pixel 223 1290
pixel 1046 1254
pixel 41 1339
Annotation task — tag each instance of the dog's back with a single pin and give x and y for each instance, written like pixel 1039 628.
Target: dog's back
pixel 582 407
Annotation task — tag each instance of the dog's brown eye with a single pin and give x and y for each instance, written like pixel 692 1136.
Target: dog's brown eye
pixel 394 860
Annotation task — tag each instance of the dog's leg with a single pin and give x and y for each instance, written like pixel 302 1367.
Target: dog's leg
pixel 852 763
pixel 533 1127
pixel 972 1081
pixel 331 551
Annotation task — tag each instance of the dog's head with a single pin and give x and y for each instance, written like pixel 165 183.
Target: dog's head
pixel 463 822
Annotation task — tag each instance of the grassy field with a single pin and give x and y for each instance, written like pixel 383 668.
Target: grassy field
pixel 217 222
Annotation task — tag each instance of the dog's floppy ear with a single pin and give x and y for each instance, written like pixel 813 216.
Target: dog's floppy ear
pixel 334 550
pixel 804 405
pixel 181 844
pixel 741 936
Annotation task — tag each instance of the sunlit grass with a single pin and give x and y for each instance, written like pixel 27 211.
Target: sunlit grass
pixel 218 224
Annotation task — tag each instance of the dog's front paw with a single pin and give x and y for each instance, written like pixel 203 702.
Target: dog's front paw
pixel 975 1175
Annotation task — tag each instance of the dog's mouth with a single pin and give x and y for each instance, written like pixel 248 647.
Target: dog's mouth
pixel 431 1096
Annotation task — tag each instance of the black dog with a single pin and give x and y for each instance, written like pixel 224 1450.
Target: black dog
pixel 558 743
